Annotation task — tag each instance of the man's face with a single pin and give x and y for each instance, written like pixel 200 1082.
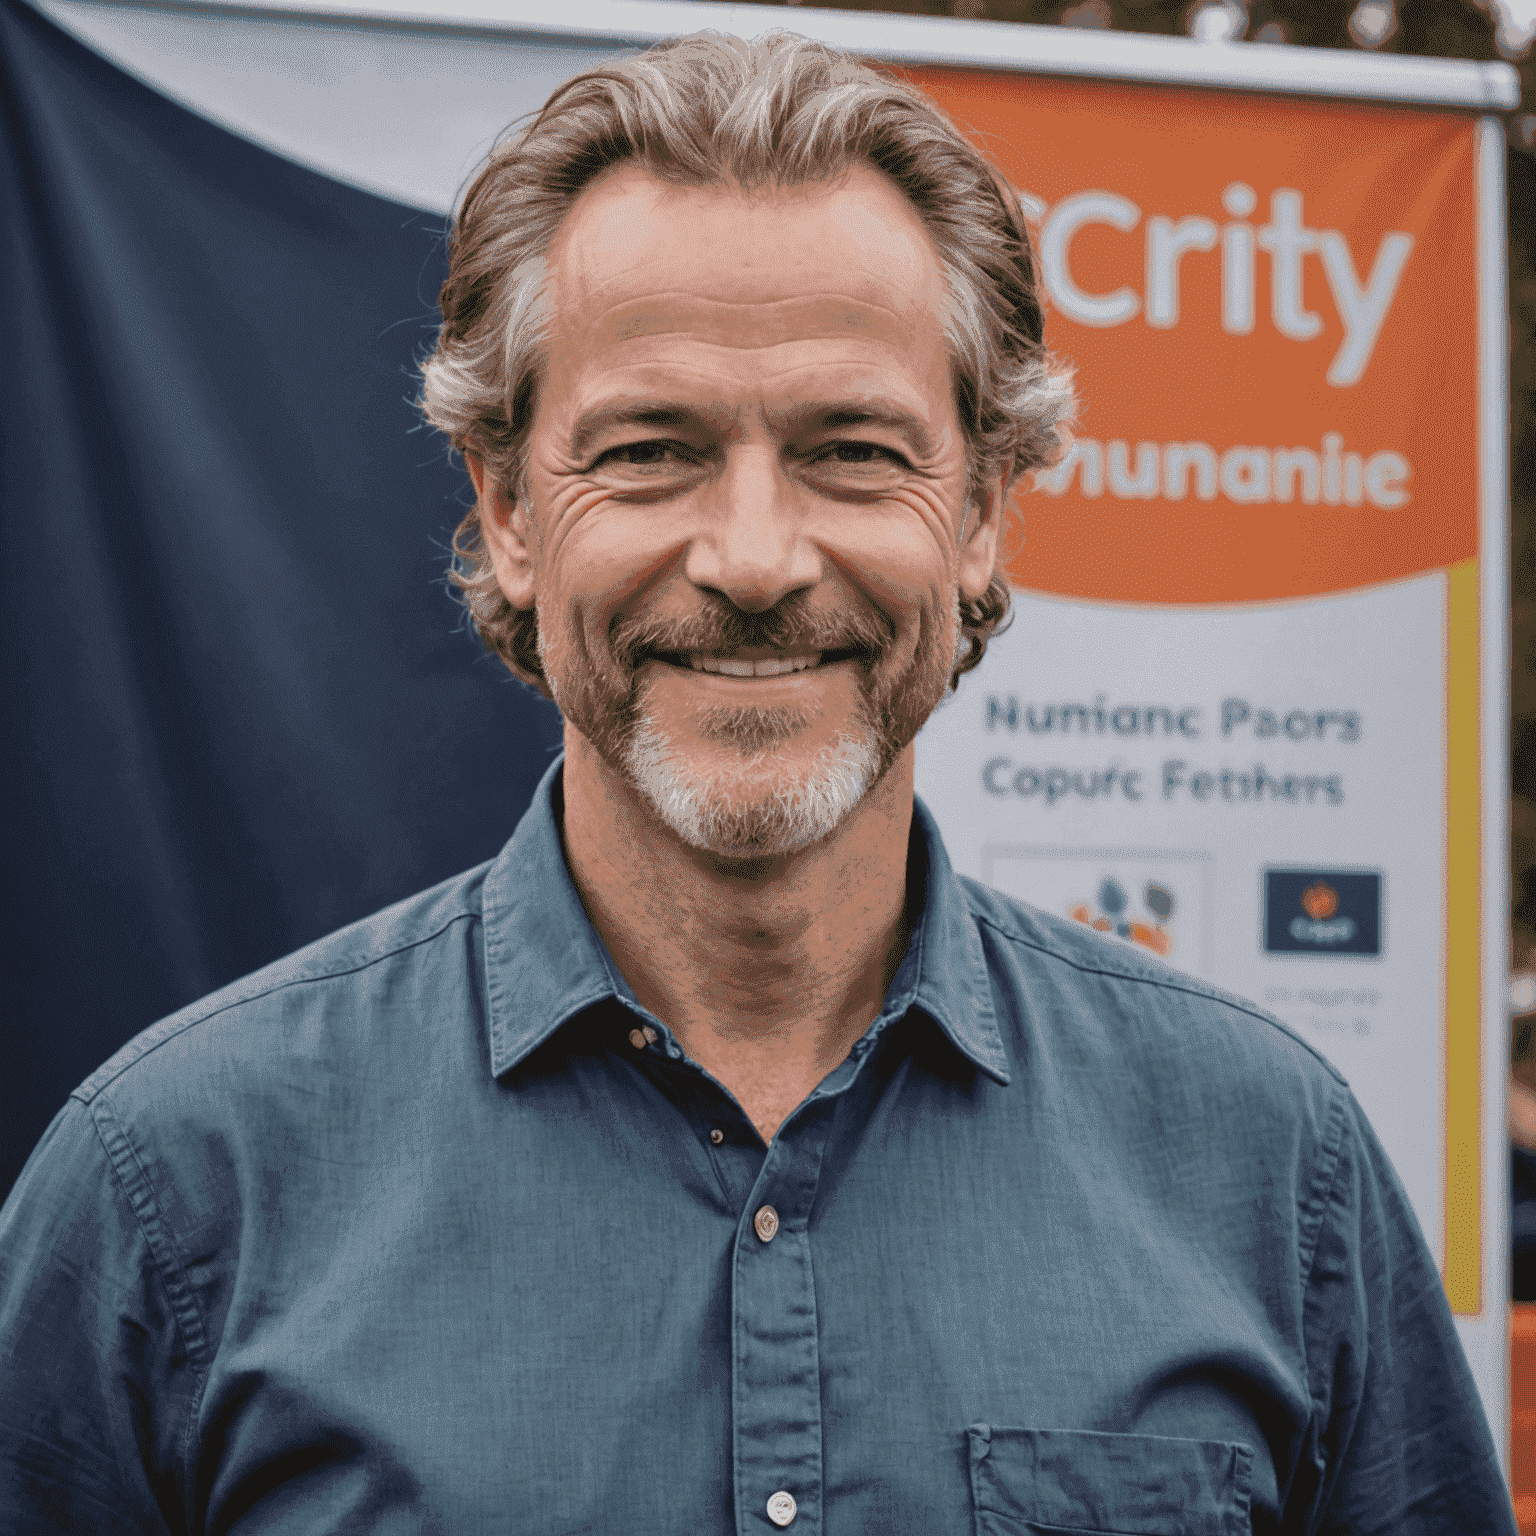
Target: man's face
pixel 746 530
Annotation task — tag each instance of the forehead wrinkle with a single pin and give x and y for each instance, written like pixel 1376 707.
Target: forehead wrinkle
pixel 610 239
pixel 755 323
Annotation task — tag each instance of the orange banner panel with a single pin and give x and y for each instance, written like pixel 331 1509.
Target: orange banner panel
pixel 1270 309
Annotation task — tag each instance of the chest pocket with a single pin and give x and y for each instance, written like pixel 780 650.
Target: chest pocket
pixel 1041 1482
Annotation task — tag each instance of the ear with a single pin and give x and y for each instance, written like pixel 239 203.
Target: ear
pixel 979 538
pixel 504 532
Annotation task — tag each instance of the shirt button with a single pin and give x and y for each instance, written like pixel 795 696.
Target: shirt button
pixel 781 1507
pixel 766 1225
pixel 637 1040
pixel 717 1137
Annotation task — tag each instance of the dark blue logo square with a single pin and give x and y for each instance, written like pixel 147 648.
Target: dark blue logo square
pixel 1322 912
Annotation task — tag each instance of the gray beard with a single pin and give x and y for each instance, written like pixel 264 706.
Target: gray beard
pixel 742 810
pixel 721 814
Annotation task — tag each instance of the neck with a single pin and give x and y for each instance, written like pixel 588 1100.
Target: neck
pixel 766 970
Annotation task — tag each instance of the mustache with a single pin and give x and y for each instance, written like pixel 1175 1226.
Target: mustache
pixel 790 625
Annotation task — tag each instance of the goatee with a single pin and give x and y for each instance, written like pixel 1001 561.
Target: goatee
pixel 761 804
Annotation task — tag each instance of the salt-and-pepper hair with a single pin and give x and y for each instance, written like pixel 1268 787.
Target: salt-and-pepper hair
pixel 710 110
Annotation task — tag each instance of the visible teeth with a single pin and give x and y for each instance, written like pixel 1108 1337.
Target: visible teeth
pixel 729 666
pixel 776 667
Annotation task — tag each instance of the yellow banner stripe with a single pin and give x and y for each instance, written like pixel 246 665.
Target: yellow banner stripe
pixel 1463 934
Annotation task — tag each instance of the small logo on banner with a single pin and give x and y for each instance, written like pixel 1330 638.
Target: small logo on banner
pixel 1322 912
pixel 1111 912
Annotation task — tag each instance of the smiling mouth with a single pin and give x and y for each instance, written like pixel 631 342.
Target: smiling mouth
pixel 765 666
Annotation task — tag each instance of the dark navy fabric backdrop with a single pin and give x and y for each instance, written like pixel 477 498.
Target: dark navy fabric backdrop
pixel 240 708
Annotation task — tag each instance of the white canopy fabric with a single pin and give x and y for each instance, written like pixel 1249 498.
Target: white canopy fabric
pixel 403 113
pixel 404 97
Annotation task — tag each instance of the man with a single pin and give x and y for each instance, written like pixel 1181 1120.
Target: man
pixel 715 1159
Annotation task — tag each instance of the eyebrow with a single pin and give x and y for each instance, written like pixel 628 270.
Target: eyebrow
pixel 870 413
pixel 592 424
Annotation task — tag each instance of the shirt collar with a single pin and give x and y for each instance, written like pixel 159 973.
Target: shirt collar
pixel 545 963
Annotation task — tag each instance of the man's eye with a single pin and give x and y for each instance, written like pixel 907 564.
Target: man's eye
pixel 861 453
pixel 640 453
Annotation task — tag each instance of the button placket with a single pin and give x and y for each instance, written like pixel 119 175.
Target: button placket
pixel 776 1376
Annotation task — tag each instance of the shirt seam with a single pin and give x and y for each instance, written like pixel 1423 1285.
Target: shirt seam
pixel 184 1308
pixel 1209 994
pixel 243 998
pixel 1319 1205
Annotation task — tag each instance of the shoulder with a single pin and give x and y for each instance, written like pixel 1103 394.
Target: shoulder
pixel 336 978
pixel 1100 1001
pixel 304 1089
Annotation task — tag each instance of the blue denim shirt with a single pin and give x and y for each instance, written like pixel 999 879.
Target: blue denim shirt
pixel 419 1230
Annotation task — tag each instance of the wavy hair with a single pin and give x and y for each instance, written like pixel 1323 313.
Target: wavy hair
pixel 710 110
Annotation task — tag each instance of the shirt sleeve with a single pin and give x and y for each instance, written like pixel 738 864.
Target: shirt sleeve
pixel 95 1381
pixel 1399 1441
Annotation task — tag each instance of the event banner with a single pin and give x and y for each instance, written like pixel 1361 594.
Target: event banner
pixel 1235 722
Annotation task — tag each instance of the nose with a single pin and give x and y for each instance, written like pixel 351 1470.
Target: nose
pixel 754 545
